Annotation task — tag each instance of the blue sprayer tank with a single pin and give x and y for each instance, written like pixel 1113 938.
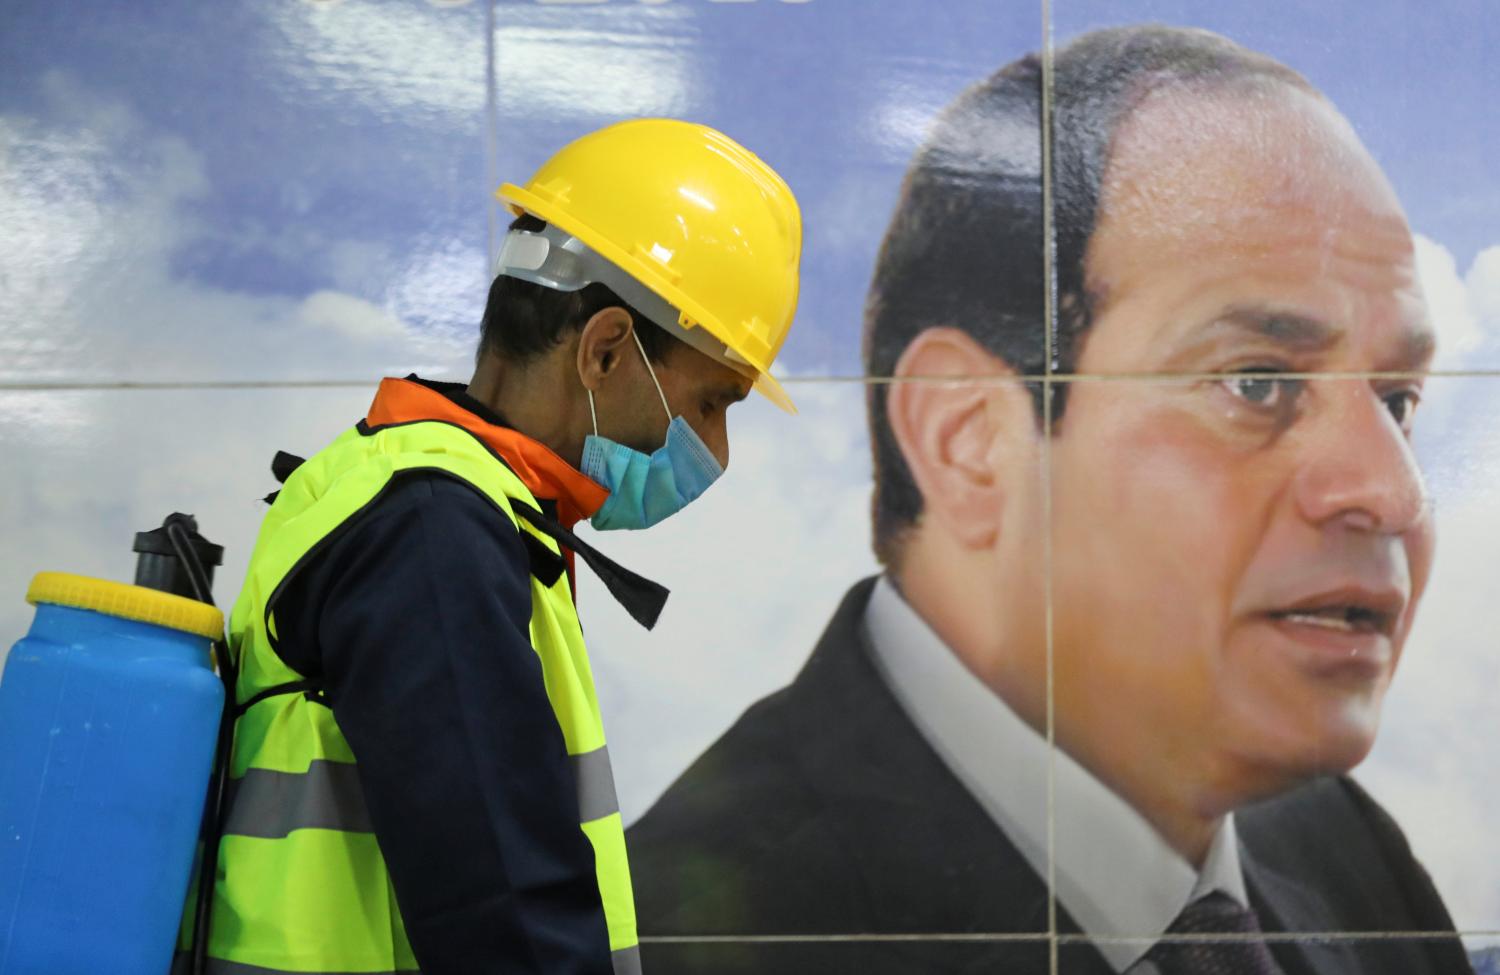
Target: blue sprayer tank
pixel 109 711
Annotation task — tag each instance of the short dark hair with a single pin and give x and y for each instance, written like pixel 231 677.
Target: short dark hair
pixel 523 320
pixel 966 247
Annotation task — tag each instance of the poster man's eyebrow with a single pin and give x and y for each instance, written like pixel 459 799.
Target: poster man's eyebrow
pixel 1417 348
pixel 1295 332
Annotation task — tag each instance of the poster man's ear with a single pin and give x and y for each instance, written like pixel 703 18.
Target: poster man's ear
pixel 952 415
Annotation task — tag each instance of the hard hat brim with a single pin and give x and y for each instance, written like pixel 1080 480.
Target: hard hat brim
pixel 767 386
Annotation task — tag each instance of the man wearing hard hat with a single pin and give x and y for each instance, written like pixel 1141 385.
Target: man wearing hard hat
pixel 419 777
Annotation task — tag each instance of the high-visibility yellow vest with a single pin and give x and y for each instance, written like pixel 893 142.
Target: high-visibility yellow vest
pixel 301 884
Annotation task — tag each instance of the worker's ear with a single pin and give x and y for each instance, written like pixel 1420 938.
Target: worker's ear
pixel 605 339
pixel 956 412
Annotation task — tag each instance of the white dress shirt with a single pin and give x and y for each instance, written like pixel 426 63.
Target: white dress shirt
pixel 1115 875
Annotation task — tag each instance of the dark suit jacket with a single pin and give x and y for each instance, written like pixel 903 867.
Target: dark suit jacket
pixel 823 811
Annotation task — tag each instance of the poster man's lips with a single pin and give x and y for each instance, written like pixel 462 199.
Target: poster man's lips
pixel 1348 609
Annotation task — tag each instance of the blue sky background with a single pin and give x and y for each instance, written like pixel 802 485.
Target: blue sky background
pixel 291 190
pixel 320 124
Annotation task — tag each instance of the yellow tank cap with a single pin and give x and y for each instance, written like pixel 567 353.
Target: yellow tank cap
pixel 127 602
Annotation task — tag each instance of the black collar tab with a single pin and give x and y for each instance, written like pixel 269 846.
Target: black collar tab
pixel 642 598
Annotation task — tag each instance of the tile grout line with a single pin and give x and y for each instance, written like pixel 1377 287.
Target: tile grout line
pixel 1049 301
pixel 1054 379
pixel 186 385
pixel 968 937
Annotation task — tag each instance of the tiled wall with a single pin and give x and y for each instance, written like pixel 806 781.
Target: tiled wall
pixel 222 223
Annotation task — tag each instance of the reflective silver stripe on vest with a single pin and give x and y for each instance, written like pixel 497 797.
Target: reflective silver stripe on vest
pixel 627 960
pixel 217 966
pixel 596 785
pixel 269 804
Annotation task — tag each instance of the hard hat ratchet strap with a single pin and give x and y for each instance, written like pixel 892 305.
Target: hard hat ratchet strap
pixel 555 259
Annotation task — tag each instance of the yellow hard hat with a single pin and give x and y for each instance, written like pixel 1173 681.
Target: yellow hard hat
pixel 697 219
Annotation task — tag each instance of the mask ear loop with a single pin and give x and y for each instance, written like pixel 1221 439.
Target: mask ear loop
pixel 592 415
pixel 647 360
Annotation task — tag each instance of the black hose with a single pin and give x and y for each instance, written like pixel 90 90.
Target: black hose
pixel 213 813
pixel 182 545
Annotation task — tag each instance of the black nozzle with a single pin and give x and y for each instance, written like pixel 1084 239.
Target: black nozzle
pixel 158 566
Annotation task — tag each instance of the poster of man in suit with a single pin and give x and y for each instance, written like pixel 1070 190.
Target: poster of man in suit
pixel 1236 542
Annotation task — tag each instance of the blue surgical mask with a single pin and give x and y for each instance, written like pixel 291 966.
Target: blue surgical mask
pixel 646 488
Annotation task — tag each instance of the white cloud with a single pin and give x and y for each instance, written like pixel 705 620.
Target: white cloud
pixel 391 56
pixel 1465 308
pixel 1458 453
pixel 95 207
pixel 1483 284
pixel 443 283
pixel 568 71
pixel 1436 765
pixel 1448 302
pixel 75 193
pixel 348 315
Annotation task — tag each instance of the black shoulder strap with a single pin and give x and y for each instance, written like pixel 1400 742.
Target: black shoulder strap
pixel 282 466
pixel 310 689
pixel 546 565
pixel 642 598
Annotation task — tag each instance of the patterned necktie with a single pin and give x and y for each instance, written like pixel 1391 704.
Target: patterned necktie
pixel 1215 914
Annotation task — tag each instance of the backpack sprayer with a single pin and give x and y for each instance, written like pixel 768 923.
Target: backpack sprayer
pixel 111 721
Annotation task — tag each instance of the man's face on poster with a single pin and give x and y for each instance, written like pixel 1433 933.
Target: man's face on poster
pixel 1237 556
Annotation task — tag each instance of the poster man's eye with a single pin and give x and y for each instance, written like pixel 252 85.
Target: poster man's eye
pixel 1403 404
pixel 1263 390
